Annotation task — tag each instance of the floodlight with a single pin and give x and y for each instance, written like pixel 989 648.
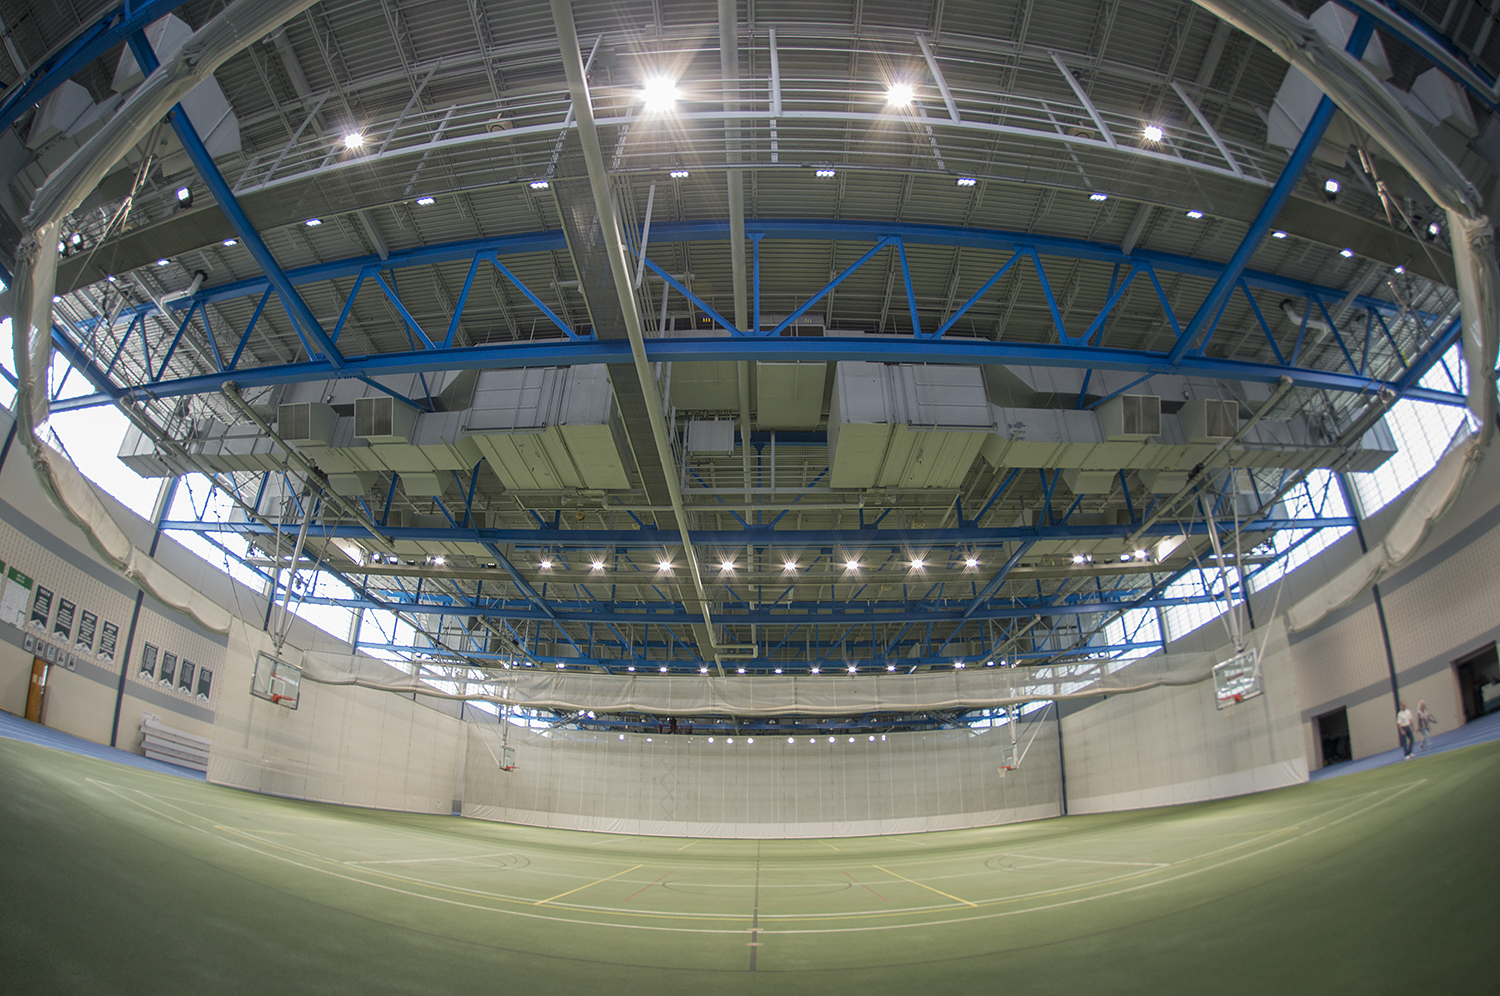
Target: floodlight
pixel 710 739
pixel 1077 558
pixel 62 247
pixel 972 562
pixel 184 197
pixel 1124 556
pixel 890 667
pixel 1195 215
pixel 1098 197
pixel 659 94
pixel 852 565
pixel 1152 133
pixel 967 181
pixel 561 666
pixel 778 670
pixel 959 665
pixel 1346 253
pixel 726 565
pixel 729 740
pixel 882 736
pixel 438 561
pixel 665 565
pixel 1278 234
pixel 1140 555
pixel 540 184
pixel 852 668
pixel 622 736
pixel 353 140
pixel 313 222
pixel 749 740
pixel 900 95
pixel 230 242
pixel 163 262
pixel 663 670
pixel 815 670
pixel 56 298
pixel 630 668
pixel 741 670
pixel 917 563
pixel 76 239
pixel 851 740
pixel 831 739
pixel 1331 188
pixel 989 663
pixel 872 738
pixel 824 173
pixel 790 565
pixel 791 740
pixel 426 201
pixel 703 670
pixel 678 174
pixel 1433 231
pixel 1399 269
pixel 545 565
pixel 598 565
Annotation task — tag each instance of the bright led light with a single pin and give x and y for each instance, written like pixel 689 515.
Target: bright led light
pixel 726 565
pixel 851 740
pixel 622 736
pixel 665 565
pixel 662 670
pixel 438 561
pixel 972 562
pixel 184 194
pixel 1124 556
pixel 710 739
pixel 353 140
pixel 1077 558
pixel 230 242
pixel 545 565
pixel 882 736
pixel 967 181
pixel 426 201
pixel 816 670
pixel 872 738
pixel 791 740
pixel 989 663
pixel 1098 197
pixel 703 670
pixel 598 565
pixel 678 174
pixel 163 262
pixel 56 298
pixel 1433 229
pixel 778 670
pixel 1278 234
pixel 917 563
pixel 959 665
pixel 831 739
pixel 729 740
pixel 741 670
pixel 890 667
pixel 1400 269
pixel 852 565
pixel 313 222
pixel 1195 215
pixel 659 94
pixel 540 184
pixel 630 668
pixel 1346 253
pixel 790 565
pixel 1331 186
pixel 76 239
pixel 748 740
pixel 1140 555
pixel 1152 133
pixel 561 666
pixel 900 95
pixel 852 669
pixel 824 173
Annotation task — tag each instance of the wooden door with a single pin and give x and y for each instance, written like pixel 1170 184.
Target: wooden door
pixel 36 694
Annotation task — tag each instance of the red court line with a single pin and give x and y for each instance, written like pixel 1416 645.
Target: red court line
pixel 866 887
pixel 644 888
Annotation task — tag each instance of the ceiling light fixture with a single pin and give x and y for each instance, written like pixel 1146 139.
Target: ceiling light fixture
pixel 1098 197
pixel 659 94
pixel 1346 253
pixel 353 140
pixel 1331 189
pixel 1140 555
pixel 790 565
pixel 1077 558
pixel 1152 133
pixel 917 564
pixel 665 565
pixel 727 565
pixel 426 201
pixel 1278 234
pixel 313 222
pixel 967 181
pixel 1399 269
pixel 890 667
pixel 678 174
pixel 663 670
pixel 1195 215
pixel 741 670
pixel 816 670
pixel 900 95
pixel 598 565
pixel 230 242
pixel 703 670
pixel 163 262
pixel 545 565
pixel 539 184
pixel 824 173
pixel 972 562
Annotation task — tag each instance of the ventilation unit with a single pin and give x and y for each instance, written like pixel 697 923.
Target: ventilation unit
pixel 306 422
pixel 1210 421
pixel 383 420
pixel 1131 417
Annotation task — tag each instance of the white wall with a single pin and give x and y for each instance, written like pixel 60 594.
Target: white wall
pixel 681 785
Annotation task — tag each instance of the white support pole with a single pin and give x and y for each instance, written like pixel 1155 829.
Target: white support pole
pixel 937 77
pixel 640 266
pixel 1203 123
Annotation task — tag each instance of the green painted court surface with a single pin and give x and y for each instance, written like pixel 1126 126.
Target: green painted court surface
pixel 118 880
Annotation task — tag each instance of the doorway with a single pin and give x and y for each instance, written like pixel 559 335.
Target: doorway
pixel 1333 734
pixel 1479 682
pixel 36 692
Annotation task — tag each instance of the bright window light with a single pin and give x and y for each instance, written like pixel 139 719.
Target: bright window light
pixel 659 94
pixel 426 201
pixel 353 140
pixel 900 95
pixel 1152 133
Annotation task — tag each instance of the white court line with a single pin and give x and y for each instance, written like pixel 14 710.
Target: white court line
pixel 417 861
pixel 1083 861
pixel 818 930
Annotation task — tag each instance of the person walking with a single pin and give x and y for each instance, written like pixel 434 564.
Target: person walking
pixel 1403 728
pixel 1425 722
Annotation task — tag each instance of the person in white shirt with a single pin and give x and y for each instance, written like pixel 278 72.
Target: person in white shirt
pixel 1403 727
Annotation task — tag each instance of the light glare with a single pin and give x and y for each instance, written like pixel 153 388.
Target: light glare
pixel 353 140
pixel 900 95
pixel 1153 133
pixel 659 94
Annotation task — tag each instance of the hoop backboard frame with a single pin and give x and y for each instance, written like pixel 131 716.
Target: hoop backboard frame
pixel 1238 679
pixel 276 681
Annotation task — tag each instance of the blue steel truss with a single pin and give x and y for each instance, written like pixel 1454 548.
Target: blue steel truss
pixel 933 341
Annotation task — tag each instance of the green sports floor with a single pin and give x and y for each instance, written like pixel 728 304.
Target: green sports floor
pixel 121 880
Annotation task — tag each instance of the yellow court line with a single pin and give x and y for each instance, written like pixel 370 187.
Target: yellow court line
pixel 927 887
pixel 684 847
pixel 591 884
pixel 826 844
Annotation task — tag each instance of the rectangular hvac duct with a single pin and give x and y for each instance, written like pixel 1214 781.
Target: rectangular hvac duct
pixel 306 423
pixel 1131 417
pixel 710 436
pixel 789 395
pixel 383 419
pixel 1209 421
pixel 707 385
